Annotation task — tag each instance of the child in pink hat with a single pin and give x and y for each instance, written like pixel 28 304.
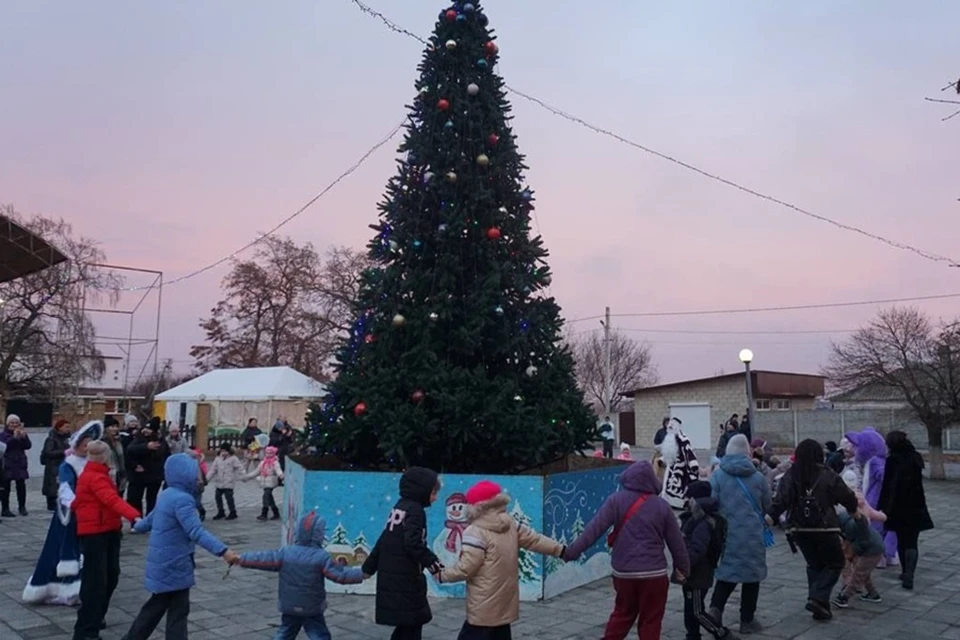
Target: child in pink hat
pixel 489 562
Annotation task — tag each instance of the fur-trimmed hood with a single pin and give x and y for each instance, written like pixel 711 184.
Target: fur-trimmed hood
pixel 491 514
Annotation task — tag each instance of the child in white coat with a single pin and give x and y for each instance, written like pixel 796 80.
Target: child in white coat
pixel 224 472
pixel 268 474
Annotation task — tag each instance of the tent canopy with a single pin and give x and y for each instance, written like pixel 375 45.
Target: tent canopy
pixel 246 385
pixel 22 252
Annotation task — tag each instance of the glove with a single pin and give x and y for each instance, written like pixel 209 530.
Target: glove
pixel 563 553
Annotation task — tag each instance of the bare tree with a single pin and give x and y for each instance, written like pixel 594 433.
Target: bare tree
pixel 283 307
pixel 47 342
pixel 901 350
pixel 631 367
pixel 150 385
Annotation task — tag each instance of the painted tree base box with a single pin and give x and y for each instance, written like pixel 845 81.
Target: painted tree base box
pixel 355 505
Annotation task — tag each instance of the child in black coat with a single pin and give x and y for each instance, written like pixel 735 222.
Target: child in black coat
pixel 705 534
pixel 400 556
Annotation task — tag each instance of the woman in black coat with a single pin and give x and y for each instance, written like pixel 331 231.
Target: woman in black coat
pixel 144 458
pixel 400 556
pixel 903 501
pixel 53 453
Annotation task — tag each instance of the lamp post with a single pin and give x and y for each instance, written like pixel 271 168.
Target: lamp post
pixel 746 357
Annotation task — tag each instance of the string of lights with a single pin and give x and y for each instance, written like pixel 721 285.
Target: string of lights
pixel 795 307
pixel 927 255
pixel 260 238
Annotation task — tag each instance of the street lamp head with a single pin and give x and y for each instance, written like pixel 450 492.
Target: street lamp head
pixel 746 356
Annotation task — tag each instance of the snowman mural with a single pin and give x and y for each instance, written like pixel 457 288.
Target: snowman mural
pixel 447 544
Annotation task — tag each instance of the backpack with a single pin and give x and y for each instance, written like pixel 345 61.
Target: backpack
pixel 718 539
pixel 808 514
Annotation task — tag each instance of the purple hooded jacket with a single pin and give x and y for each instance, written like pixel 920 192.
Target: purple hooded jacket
pixel 871 454
pixel 638 550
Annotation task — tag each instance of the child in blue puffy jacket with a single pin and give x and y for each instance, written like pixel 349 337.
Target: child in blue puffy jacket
pixel 175 530
pixel 303 567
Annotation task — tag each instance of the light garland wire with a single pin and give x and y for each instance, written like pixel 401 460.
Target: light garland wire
pixel 349 171
pixel 933 257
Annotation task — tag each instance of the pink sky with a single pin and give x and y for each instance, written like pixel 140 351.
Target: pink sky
pixel 174 132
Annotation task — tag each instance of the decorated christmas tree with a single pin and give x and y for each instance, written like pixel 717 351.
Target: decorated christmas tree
pixel 455 360
pixel 339 535
pixel 526 559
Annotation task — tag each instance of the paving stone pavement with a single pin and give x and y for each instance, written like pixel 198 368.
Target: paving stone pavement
pixel 242 606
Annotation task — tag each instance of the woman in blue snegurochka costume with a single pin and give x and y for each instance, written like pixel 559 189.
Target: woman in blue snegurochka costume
pixel 56 578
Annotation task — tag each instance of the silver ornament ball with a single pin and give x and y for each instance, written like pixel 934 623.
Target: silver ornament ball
pixel 399 320
pixel 473 89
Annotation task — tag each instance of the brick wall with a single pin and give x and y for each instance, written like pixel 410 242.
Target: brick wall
pixel 787 428
pixel 725 398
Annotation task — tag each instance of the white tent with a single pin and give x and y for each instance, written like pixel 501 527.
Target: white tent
pixel 236 395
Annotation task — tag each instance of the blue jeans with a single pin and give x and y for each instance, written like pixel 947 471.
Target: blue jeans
pixel 290 625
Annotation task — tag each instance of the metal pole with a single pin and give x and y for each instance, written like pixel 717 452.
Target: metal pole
pixel 753 425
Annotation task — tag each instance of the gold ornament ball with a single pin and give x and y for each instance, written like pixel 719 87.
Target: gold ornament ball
pixel 483 160
pixel 399 320
pixel 451 177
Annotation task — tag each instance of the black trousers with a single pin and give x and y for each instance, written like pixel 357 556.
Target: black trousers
pixel 101 573
pixel 608 448
pixel 219 495
pixel 749 594
pixel 473 632
pixel 269 502
pixel 176 606
pixel 407 633
pixel 907 539
pixel 695 614
pixel 136 492
pixel 825 560
pixel 21 493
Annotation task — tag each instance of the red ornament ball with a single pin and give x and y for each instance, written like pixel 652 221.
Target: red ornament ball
pixel 443 104
pixel 359 409
pixel 418 395
pixel 493 139
pixel 451 15
pixel 493 233
pixel 491 48
pixel 369 338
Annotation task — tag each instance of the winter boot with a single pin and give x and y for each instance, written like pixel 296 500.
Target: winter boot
pixel 263 515
pixel 220 515
pixel 232 516
pixel 910 558
pixel 276 514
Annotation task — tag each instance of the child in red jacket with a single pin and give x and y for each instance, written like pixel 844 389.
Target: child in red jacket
pixel 98 508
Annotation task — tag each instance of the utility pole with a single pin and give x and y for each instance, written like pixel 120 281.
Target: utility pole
pixel 607 363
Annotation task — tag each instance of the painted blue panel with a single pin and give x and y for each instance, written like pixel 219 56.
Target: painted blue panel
pixel 570 501
pixel 356 505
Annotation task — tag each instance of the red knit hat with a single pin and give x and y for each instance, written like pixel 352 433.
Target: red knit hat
pixel 483 491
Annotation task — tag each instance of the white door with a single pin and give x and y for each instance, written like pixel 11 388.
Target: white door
pixel 696 421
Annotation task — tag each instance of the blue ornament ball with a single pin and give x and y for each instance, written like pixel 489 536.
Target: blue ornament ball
pixel 417 244
pixel 448 125
pixel 498 310
pixel 482 19
pixel 461 18
pixel 481 64
pixel 468 8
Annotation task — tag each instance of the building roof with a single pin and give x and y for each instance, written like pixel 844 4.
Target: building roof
pixel 871 393
pixel 251 385
pixel 22 252
pixel 765 383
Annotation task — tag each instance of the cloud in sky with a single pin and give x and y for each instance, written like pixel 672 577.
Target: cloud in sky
pixel 175 132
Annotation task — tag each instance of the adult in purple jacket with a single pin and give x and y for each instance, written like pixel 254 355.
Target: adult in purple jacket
pixel 15 463
pixel 639 563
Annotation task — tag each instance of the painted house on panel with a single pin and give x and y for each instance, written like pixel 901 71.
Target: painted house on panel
pixel 703 404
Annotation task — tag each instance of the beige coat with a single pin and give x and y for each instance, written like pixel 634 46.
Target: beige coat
pixel 489 562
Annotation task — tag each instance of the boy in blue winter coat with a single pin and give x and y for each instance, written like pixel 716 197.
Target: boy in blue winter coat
pixel 864 547
pixel 175 530
pixel 303 567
